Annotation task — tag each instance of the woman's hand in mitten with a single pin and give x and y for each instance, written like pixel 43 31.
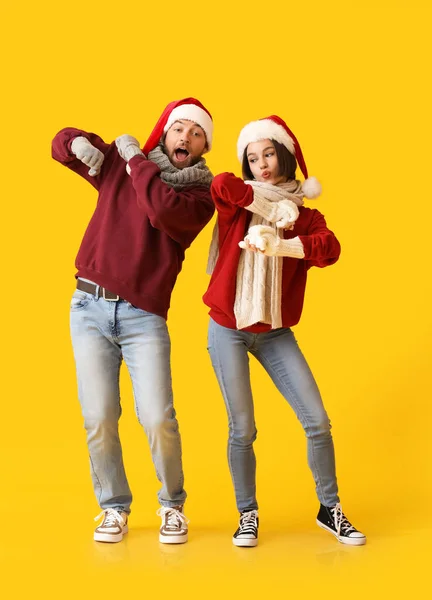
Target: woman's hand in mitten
pixel 287 214
pixel 262 239
pixel 87 154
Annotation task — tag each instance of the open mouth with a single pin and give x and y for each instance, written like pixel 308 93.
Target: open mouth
pixel 181 154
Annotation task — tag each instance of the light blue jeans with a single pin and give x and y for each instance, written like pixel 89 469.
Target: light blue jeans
pixel 103 333
pixel 281 357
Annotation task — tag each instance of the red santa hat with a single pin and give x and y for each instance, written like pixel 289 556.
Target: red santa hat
pixel 275 128
pixel 189 109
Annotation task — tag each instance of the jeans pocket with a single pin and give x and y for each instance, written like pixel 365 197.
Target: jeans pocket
pixel 80 300
pixel 137 309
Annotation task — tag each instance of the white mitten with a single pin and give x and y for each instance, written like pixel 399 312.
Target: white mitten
pixel 262 237
pixel 87 154
pixel 287 214
pixel 128 147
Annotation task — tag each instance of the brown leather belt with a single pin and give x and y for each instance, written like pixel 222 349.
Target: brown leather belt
pixel 97 291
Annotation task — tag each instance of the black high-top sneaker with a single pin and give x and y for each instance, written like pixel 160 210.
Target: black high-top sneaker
pixel 247 532
pixel 332 519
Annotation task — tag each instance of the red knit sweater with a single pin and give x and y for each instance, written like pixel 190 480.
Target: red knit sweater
pixel 231 195
pixel 135 242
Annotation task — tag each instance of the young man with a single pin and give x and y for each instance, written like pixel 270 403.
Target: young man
pixel 148 213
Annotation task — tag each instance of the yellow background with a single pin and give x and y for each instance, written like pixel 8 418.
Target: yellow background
pixel 351 81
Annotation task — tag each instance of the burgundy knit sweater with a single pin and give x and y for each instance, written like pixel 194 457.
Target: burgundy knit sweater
pixel 135 242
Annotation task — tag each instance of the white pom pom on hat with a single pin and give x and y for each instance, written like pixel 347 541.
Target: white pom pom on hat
pixel 311 187
pixel 275 128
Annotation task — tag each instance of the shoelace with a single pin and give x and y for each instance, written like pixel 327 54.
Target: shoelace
pixel 341 522
pixel 175 518
pixel 248 522
pixel 112 518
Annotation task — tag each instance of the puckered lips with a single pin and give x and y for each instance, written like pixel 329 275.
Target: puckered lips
pixel 181 154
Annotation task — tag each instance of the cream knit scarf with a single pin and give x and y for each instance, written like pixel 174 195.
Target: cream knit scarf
pixel 259 277
pixel 198 174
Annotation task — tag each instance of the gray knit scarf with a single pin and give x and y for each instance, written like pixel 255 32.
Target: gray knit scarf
pixel 198 174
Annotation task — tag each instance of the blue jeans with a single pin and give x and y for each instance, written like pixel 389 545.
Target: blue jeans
pixel 281 357
pixel 103 333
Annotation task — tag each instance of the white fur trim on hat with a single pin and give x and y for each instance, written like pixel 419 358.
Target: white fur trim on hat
pixel 262 130
pixel 191 112
pixel 311 187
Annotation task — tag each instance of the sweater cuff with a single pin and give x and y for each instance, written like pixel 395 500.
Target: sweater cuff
pixel 140 163
pixel 137 160
pixel 293 248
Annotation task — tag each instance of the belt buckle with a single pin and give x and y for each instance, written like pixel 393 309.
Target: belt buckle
pixel 109 299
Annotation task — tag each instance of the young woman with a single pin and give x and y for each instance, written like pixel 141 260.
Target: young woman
pixel 264 244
